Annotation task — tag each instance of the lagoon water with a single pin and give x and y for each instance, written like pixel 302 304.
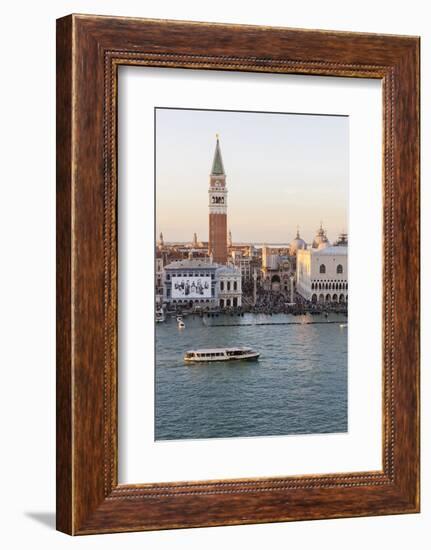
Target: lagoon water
pixel 298 386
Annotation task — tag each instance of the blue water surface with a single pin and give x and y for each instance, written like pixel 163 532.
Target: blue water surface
pixel 298 386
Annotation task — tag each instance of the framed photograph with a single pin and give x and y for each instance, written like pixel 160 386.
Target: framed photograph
pixel 237 274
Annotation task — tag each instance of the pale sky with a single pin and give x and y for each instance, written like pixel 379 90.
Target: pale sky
pixel 282 170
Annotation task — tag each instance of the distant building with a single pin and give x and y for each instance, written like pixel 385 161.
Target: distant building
pixel 229 286
pixel 270 259
pixel 201 283
pixel 160 243
pixel 243 262
pixel 159 280
pixel 245 265
pixel 321 272
pixel 342 240
pixel 190 282
pixel 277 270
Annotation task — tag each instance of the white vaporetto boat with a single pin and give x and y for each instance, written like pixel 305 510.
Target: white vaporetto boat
pixel 220 354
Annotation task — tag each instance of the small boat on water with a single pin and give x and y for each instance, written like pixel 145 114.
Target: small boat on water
pixel 343 325
pixel 220 354
pixel 160 316
pixel 181 324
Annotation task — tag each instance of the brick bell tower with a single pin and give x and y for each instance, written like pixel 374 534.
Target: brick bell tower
pixel 217 192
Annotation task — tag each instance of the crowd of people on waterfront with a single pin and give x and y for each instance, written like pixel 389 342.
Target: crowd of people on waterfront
pixel 270 303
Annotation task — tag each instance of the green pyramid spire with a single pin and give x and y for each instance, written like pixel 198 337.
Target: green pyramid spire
pixel 217 168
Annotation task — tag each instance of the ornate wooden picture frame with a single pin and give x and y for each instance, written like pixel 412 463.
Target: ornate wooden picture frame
pixel 89 51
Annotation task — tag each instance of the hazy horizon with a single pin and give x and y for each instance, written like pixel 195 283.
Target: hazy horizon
pixel 282 171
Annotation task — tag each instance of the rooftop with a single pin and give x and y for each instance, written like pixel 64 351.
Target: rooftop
pixel 217 350
pixel 192 263
pixel 331 251
pixel 229 269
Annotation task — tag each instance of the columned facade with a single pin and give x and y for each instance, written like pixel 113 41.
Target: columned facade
pixel 229 287
pixel 321 275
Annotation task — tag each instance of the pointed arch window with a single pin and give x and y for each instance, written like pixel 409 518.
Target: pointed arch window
pixel 339 268
pixel 322 268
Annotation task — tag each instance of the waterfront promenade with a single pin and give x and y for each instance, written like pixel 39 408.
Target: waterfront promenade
pixel 271 308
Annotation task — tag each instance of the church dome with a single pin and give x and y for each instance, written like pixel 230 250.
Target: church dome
pixel 321 239
pixel 297 244
pixel 323 244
